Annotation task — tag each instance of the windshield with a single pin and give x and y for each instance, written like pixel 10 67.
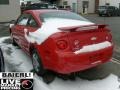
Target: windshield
pixel 102 7
pixel 61 15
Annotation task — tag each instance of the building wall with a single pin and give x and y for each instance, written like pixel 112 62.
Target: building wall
pixel 91 8
pixel 112 2
pixel 70 2
pixel 9 11
pixel 79 5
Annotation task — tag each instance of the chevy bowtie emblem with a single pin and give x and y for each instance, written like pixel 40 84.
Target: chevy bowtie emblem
pixel 94 38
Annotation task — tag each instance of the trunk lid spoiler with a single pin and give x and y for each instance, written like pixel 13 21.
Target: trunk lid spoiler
pixel 82 28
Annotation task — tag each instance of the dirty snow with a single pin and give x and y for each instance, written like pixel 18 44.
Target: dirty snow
pixel 3 39
pixel 94 47
pixel 17 60
pixel 50 26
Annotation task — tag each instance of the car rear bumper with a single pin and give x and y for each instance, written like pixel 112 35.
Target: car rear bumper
pixel 102 13
pixel 69 62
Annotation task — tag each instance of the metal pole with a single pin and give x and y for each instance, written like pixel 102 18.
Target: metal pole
pixel 77 6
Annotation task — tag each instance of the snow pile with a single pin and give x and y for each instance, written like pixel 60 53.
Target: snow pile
pixel 15 58
pixel 109 83
pixel 94 47
pixel 49 27
pixel 3 39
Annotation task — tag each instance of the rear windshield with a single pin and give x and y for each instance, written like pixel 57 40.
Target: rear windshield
pixel 102 7
pixel 61 14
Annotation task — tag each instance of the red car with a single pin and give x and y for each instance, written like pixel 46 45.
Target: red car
pixel 61 41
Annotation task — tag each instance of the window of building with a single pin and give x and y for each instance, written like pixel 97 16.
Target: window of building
pixel 4 1
pixel 65 3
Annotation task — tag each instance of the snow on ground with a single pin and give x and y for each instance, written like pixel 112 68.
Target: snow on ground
pixel 17 60
pixel 50 26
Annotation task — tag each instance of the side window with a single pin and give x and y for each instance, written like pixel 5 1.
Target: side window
pixel 23 19
pixel 32 22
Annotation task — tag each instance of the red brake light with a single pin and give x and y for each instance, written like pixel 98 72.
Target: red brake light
pixel 62 44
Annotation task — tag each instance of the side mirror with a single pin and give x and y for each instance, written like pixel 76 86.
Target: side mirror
pixel 26 31
pixel 12 23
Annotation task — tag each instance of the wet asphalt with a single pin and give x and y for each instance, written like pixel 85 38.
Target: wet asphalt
pixel 103 70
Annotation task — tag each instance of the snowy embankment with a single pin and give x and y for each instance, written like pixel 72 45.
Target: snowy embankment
pixel 17 60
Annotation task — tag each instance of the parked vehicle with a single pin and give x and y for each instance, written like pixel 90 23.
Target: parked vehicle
pixel 61 41
pixel 68 8
pixel 2 67
pixel 108 11
pixel 52 6
pixel 36 6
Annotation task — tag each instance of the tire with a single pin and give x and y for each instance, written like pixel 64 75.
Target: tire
pixel 13 41
pixel 49 77
pixel 109 14
pixel 100 15
pixel 118 14
pixel 2 65
pixel 37 64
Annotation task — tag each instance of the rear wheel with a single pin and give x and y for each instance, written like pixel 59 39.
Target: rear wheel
pixel 13 41
pixel 37 64
pixel 49 77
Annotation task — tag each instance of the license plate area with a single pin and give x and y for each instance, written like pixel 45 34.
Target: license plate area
pixel 96 57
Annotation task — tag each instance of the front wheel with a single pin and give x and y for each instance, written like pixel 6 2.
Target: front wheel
pixel 37 64
pixel 100 15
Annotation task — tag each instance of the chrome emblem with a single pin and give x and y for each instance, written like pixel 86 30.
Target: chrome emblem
pixel 94 38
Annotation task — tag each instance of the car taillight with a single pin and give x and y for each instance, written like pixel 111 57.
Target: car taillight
pixel 109 37
pixel 62 44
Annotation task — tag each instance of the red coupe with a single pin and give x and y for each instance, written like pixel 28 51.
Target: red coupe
pixel 61 41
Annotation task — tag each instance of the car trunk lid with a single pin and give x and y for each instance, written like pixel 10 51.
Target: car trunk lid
pixel 80 36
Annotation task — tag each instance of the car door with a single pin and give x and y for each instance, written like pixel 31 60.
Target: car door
pixel 32 26
pixel 18 32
